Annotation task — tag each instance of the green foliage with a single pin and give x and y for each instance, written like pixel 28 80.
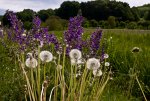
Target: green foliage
pixel 26 15
pixel 45 14
pixel 132 25
pixel 122 24
pixel 93 23
pixel 147 15
pixel 68 9
pixel 86 23
pixel 27 25
pixel 5 20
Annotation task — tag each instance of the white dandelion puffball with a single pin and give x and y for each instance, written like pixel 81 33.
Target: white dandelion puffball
pixel 75 54
pixel 93 63
pixel 46 56
pixel 107 64
pixel 97 72
pixel 32 63
pixel 29 55
pixel 106 56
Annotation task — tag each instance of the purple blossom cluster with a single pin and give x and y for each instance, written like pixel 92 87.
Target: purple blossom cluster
pixel 42 34
pixel 36 36
pixel 39 35
pixel 73 36
pixel 16 34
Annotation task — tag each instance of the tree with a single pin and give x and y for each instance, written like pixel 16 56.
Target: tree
pixel 26 15
pixel 93 23
pixel 147 15
pixel 45 14
pixel 68 9
pixel 5 20
pixel 135 13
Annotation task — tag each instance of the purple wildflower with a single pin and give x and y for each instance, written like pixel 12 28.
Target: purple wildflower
pixel 94 41
pixel 42 34
pixel 15 34
pixel 73 36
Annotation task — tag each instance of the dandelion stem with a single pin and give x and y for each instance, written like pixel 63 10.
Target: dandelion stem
pixel 50 96
pixel 63 79
pixel 141 88
pixel 38 73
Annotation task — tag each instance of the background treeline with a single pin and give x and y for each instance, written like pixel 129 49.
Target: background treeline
pixel 99 13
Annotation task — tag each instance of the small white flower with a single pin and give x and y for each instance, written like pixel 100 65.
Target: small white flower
pixel 106 56
pixel 97 72
pixel 31 62
pixel 93 63
pixel 46 56
pixel 107 64
pixel 75 54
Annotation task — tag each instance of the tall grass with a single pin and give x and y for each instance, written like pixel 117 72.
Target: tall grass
pixel 129 79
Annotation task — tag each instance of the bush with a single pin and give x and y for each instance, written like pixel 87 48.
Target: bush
pixel 27 25
pixel 111 21
pixel 54 23
pixel 122 24
pixel 93 23
pixel 132 25
pixel 86 23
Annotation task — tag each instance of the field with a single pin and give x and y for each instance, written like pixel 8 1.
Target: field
pixel 119 43
pixel 73 65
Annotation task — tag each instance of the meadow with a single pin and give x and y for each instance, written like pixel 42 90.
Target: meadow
pixel 125 79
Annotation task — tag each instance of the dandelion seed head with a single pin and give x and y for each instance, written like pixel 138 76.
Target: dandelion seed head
pixel 29 55
pixel 135 50
pixel 59 67
pixel 32 63
pixel 107 64
pixel 75 54
pixel 97 72
pixel 106 56
pixel 93 63
pixel 46 56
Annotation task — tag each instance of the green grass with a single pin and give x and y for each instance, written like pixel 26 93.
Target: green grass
pixel 121 58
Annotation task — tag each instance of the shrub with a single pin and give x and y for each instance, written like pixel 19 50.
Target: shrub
pixel 54 23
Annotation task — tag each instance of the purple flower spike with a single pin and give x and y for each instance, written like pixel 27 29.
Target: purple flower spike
pixel 36 23
pixel 94 41
pixel 73 36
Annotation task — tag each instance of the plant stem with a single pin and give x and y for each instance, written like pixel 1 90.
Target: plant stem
pixel 141 88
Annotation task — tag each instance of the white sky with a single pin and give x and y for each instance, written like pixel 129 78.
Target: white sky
pixel 18 5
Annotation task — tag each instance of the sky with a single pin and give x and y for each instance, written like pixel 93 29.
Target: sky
pixel 36 5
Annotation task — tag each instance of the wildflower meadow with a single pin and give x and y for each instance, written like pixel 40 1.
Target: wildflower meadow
pixel 76 64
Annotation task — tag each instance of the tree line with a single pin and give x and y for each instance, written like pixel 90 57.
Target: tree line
pixel 99 13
